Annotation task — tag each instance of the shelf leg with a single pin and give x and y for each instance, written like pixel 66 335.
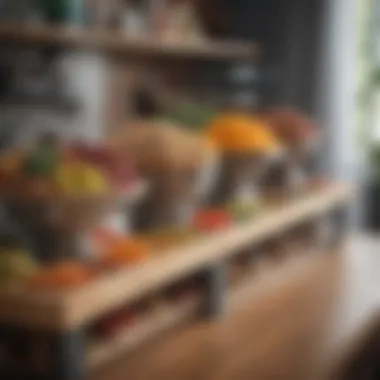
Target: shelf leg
pixel 340 218
pixel 216 302
pixel 68 356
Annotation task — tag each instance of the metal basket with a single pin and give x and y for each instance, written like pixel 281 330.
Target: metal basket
pixel 239 173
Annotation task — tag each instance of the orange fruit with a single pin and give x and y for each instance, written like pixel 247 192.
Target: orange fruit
pixel 61 275
pixel 126 251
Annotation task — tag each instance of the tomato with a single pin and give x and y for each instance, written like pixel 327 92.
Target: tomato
pixel 213 219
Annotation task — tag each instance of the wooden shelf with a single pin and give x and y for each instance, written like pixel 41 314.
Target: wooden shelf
pixel 82 305
pixel 164 318
pixel 113 41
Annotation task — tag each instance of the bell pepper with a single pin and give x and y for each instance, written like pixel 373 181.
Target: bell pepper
pixel 209 220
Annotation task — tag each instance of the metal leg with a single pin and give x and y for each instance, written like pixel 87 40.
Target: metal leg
pixel 340 218
pixel 68 356
pixel 217 290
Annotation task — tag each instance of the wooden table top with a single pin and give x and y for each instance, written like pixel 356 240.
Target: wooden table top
pixel 302 320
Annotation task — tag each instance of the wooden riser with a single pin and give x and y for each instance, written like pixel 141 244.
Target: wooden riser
pixel 80 306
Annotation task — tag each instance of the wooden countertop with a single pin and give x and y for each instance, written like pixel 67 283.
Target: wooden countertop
pixel 303 320
pixel 114 41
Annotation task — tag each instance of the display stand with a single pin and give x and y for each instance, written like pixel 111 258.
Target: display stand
pixel 66 315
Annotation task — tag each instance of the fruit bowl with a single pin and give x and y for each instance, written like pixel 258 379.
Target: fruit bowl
pixel 172 199
pixel 58 192
pixel 245 142
pixel 56 225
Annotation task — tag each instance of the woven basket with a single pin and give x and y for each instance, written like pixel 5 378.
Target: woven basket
pixel 174 196
pixel 56 225
pixel 169 201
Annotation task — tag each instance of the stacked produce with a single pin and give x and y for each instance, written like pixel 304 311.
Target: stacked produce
pixel 246 142
pixel 59 192
pixel 50 169
pixel 18 265
pixel 114 252
pixel 53 187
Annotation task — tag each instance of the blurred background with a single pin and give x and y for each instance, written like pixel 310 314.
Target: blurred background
pixel 165 100
pixel 310 59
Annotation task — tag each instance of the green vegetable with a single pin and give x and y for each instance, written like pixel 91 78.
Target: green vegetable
pixel 191 114
pixel 41 163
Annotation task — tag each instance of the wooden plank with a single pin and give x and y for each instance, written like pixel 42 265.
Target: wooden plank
pixel 113 41
pixel 73 308
pixel 147 328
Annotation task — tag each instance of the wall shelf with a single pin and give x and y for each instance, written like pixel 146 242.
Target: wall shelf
pixel 117 42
